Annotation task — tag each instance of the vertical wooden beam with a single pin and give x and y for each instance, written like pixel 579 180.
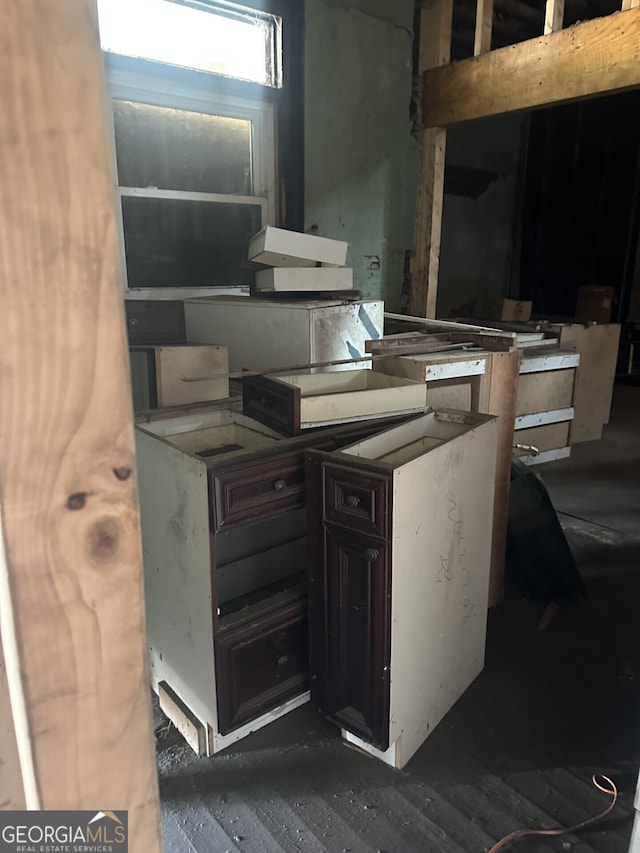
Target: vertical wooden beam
pixel 435 50
pixel 484 25
pixel 71 602
pixel 498 397
pixel 553 16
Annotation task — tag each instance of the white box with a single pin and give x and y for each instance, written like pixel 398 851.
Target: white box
pixel 305 278
pixel 263 334
pixel 279 248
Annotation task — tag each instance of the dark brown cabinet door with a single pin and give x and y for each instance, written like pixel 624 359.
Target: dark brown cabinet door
pixel 358 634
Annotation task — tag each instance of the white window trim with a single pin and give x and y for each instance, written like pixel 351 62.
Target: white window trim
pixel 140 87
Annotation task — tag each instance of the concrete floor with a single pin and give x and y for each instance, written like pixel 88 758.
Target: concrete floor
pixel 519 748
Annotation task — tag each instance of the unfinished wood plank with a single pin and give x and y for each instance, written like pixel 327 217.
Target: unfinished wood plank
pixel 553 16
pixel 435 34
pixel 435 49
pixel 11 787
pixel 595 375
pixel 591 58
pixel 484 28
pixel 76 648
pixel 498 397
pixel 423 295
pixel 544 391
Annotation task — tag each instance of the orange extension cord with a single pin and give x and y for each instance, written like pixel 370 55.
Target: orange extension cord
pixel 520 833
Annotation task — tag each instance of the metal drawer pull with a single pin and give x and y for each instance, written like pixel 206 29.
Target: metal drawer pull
pixel 371 554
pixel 281 660
pixel 352 501
pixel 280 485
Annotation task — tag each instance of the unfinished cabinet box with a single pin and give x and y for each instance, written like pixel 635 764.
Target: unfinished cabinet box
pixel 222 509
pixel 277 247
pixel 297 402
pixel 399 553
pixel 544 404
pixel 164 376
pixel 597 345
pixel 226 611
pixel 262 334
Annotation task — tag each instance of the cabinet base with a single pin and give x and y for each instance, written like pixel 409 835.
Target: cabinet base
pixel 391 756
pixel 202 738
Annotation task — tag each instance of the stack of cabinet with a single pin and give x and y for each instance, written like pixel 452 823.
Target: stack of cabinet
pixel 545 404
pixel 399 515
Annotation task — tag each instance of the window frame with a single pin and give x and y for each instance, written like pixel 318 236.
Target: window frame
pixel 277 128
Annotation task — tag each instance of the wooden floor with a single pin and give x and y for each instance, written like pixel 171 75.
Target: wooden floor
pixel 551 708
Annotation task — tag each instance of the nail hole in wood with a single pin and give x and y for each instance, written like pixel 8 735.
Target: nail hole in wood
pixel 77 500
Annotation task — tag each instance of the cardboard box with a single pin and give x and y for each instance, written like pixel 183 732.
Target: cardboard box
pixel 277 247
pixel 516 309
pixel 595 304
pixel 503 309
pixel 304 278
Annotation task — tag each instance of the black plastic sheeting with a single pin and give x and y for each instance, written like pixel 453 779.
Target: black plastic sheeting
pixel 539 561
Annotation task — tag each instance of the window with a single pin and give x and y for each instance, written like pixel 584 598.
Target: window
pixel 197 91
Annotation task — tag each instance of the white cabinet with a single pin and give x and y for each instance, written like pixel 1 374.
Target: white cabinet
pixel 399 553
pixel 263 334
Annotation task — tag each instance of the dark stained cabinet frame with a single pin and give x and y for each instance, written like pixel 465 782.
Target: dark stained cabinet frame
pixel 259 635
pixel 348 528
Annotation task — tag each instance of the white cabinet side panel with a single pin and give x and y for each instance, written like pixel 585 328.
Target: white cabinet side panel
pixel 340 331
pixel 258 334
pixel 175 540
pixel 441 554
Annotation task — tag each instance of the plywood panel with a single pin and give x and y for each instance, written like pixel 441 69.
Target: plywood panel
pixel 72 579
pixel 542 392
pixel 498 397
pixel 547 437
pixel 598 348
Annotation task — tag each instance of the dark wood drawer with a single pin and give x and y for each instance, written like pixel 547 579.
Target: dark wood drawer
pixel 357 501
pixel 155 321
pixel 261 665
pixel 245 494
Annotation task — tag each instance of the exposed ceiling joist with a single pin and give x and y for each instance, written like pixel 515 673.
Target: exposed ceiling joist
pixel 592 58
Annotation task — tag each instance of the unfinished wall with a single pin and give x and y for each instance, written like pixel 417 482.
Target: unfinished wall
pixel 477 234
pixel 361 162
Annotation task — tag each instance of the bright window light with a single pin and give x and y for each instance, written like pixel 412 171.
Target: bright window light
pixel 236 42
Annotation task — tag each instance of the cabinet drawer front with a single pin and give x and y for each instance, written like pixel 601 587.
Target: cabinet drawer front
pixel 273 403
pixel 155 321
pixel 357 501
pixel 358 631
pixel 260 666
pixel 255 491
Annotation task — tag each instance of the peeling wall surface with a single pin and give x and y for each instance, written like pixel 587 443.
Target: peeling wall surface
pixel 361 163
pixel 476 248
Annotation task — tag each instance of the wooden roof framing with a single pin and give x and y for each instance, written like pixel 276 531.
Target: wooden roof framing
pixel 595 57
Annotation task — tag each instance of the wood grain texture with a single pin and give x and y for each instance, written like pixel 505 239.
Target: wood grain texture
pixel 591 58
pixel 423 295
pixel 553 16
pixel 435 34
pixel 11 788
pixel 73 575
pixel 498 397
pixel 435 49
pixel 484 21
